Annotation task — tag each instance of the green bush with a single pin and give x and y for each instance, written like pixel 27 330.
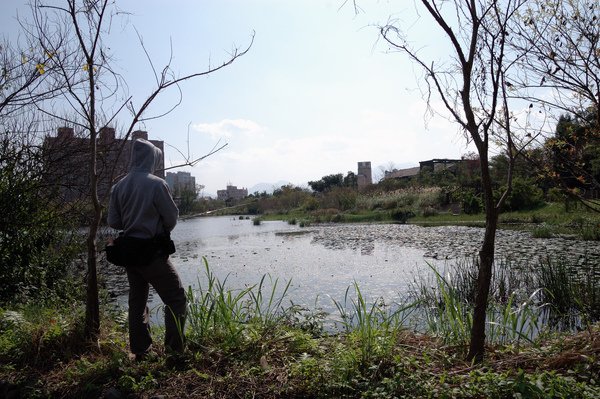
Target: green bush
pixel 38 243
pixel 541 232
pixel 429 211
pixel 36 336
pixel 525 195
pixel 471 202
pixel 590 232
pixel 401 214
pixel 310 204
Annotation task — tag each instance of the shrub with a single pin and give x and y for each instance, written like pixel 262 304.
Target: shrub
pixel 337 218
pixel 590 232
pixel 343 198
pixel 555 194
pixel 401 214
pixel 541 232
pixel 471 202
pixel 37 241
pixel 524 195
pixel 429 211
pixel 304 223
pixel 310 204
pixel 432 197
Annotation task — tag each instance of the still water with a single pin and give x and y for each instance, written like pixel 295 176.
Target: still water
pixel 322 261
pixel 319 262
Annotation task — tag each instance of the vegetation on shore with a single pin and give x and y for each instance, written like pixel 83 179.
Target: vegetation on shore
pixel 238 347
pixel 250 343
pixel 449 196
pixel 546 220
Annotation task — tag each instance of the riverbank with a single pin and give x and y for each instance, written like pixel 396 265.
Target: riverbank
pixel 237 347
pixel 544 222
pixel 286 355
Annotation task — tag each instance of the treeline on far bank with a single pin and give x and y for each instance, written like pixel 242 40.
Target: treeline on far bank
pixel 452 194
pixel 563 170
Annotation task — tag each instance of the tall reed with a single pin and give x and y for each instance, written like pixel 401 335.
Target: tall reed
pixel 447 307
pixel 374 326
pixel 572 291
pixel 220 315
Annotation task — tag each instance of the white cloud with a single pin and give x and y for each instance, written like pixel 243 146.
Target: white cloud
pixel 228 128
pixel 377 135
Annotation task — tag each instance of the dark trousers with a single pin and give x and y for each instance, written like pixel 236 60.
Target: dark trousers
pixel 164 279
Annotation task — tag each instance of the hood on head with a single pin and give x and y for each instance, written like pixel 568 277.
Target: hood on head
pixel 145 157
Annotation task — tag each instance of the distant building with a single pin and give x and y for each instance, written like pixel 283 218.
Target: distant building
pixel 401 173
pixel 67 161
pixel 364 176
pixel 437 165
pixel 432 165
pixel 180 181
pixel 232 192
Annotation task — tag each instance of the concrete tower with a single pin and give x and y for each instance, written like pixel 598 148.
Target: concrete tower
pixel 364 174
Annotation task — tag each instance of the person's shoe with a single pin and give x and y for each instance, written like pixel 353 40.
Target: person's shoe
pixel 148 356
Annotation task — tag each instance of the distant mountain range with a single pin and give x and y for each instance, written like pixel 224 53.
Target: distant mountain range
pixel 268 187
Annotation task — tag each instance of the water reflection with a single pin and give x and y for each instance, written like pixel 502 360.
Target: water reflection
pixel 323 261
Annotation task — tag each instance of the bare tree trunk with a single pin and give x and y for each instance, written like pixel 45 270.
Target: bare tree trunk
pixel 486 262
pixel 92 305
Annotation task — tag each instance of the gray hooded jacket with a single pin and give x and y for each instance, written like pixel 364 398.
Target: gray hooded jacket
pixel 141 204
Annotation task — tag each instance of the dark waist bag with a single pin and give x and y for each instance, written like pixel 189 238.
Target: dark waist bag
pixel 132 251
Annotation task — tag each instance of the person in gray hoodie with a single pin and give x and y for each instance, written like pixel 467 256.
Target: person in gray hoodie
pixel 141 206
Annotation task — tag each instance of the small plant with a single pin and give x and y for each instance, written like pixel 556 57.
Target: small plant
pixel 535 218
pixel 590 232
pixel 292 221
pixel 226 317
pixel 39 336
pixel 401 215
pixel 256 221
pixel 374 326
pixel 337 218
pixel 542 231
pixel 447 314
pixel 471 203
pixel 429 211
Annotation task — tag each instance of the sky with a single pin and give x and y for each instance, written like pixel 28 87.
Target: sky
pixel 317 92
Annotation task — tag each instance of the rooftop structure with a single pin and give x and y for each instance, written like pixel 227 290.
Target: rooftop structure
pixel 401 173
pixel 432 165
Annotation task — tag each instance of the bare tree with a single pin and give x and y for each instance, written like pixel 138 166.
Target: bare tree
pixel 471 85
pixel 557 49
pixel 556 46
pixel 79 68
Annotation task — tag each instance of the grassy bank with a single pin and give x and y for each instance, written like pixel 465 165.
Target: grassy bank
pixel 251 343
pixel 544 222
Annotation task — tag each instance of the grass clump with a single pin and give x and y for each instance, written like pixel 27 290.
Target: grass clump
pixel 231 319
pixel 542 231
pixel 249 343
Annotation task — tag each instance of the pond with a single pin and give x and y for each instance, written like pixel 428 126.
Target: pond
pixel 322 261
